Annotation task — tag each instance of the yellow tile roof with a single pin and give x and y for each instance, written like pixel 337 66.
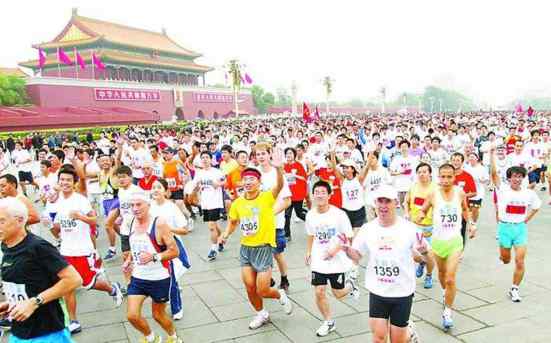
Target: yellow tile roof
pixel 12 72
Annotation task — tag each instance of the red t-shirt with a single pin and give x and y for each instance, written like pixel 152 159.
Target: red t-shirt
pixel 331 177
pixel 466 182
pixel 296 178
pixel 146 185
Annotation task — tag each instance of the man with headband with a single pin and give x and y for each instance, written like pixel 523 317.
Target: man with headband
pixel 253 213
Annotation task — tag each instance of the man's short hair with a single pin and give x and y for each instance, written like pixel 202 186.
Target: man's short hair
pixel 15 208
pixel 11 179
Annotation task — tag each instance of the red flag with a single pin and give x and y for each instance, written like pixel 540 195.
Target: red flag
pixel 81 62
pixel 97 62
pixel 63 57
pixel 306 113
pixel 41 58
pixel 518 108
pixel 530 111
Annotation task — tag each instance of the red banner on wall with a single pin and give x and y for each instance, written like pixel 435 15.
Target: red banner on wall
pixel 114 94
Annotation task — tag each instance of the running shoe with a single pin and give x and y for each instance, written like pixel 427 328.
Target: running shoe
pixel 285 302
pixel 515 295
pixel 447 322
pixel 355 290
pixel 157 339
pixel 117 297
pixel 110 255
pixel 420 269
pixel 272 282
pixel 353 273
pixel 413 336
pixel 212 255
pixel 428 282
pixel 174 340
pixel 220 247
pixel 179 315
pixel 74 327
pixel 258 321
pixel 326 328
pixel 543 188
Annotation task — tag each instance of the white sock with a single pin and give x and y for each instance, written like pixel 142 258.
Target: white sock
pixel 150 337
pixel 263 313
pixel 514 287
pixel 447 310
pixel 214 247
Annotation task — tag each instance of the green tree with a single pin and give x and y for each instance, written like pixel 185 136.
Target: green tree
pixel 451 100
pixel 262 99
pixel 282 97
pixel 12 91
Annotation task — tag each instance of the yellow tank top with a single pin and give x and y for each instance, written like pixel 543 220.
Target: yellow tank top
pixel 417 198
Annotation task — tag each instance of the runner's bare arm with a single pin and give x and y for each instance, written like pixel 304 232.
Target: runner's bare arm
pixel 232 225
pixel 363 173
pixel 425 208
pixel 33 217
pixel 407 208
pixel 309 243
pixel 281 206
pixel 334 165
pixel 493 170
pixel 530 215
pixel 166 237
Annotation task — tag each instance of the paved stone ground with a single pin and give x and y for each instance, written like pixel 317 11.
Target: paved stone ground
pixel 216 307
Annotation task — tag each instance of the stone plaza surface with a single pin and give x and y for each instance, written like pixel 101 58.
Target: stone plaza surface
pixel 216 307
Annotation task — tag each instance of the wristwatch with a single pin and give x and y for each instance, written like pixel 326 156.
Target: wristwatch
pixel 38 300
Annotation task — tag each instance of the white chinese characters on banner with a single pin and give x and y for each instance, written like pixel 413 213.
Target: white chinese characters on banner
pixel 114 94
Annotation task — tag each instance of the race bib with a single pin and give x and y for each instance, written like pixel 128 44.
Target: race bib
pixel 324 235
pixel 15 292
pixel 171 183
pixel 352 194
pixel 249 226
pixel 515 209
pixel 449 217
pixel 386 270
pixel 67 224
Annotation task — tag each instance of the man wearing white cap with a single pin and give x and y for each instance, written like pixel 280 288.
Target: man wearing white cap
pixel 392 246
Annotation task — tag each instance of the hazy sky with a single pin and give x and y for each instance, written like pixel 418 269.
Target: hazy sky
pixel 493 50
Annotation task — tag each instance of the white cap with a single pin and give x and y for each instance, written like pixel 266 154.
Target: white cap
pixel 140 195
pixel 387 192
pixel 350 163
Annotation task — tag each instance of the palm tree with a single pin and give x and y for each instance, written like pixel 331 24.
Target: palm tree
pixel 328 85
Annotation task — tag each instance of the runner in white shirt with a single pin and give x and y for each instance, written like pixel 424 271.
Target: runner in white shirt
pixel 47 184
pixel 392 246
pixel 521 158
pixel 136 156
pixel 327 262
pixel 402 170
pixel 209 183
pixel 23 163
pixel 377 175
pixel 72 222
pixel 481 178
pixel 515 207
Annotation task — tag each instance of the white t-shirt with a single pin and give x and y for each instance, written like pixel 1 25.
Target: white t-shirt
pixel 390 268
pixel 22 155
pixel 269 181
pixel 536 151
pixel 513 205
pixel 325 227
pixel 211 197
pixel 405 166
pixel 46 186
pixel 75 235
pixel 137 159
pixel 125 208
pixel 93 186
pixel 170 212
pixel 352 194
pixel 481 176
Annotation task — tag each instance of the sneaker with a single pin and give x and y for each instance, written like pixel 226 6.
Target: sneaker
pixel 212 255
pixel 74 327
pixel 272 282
pixel 174 340
pixel 420 269
pixel 220 247
pixel 179 315
pixel 447 322
pixel 117 297
pixel 285 302
pixel 413 336
pixel 284 284
pixel 353 273
pixel 428 282
pixel 5 324
pixel 355 290
pixel 515 295
pixel 157 339
pixel 124 291
pixel 110 255
pixel 190 224
pixel 297 220
pixel 543 188
pixel 326 328
pixel 258 321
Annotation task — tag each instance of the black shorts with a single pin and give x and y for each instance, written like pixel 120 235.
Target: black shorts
pixel 125 243
pixel 397 310
pixel 336 280
pixel 357 217
pixel 211 215
pixel 475 203
pixel 177 195
pixel 25 176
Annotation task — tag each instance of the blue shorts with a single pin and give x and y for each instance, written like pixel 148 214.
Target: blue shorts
pixel 512 234
pixel 158 290
pixel 534 176
pixel 62 336
pixel 281 242
pixel 110 204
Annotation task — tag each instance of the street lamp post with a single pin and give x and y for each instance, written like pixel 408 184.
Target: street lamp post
pixel 234 69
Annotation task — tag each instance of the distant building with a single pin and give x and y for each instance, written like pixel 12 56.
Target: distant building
pixel 144 71
pixel 13 72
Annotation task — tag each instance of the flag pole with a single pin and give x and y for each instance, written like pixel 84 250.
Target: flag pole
pixel 93 65
pixel 76 62
pixel 58 66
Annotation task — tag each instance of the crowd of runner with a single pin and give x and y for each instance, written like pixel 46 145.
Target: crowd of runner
pixel 404 191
